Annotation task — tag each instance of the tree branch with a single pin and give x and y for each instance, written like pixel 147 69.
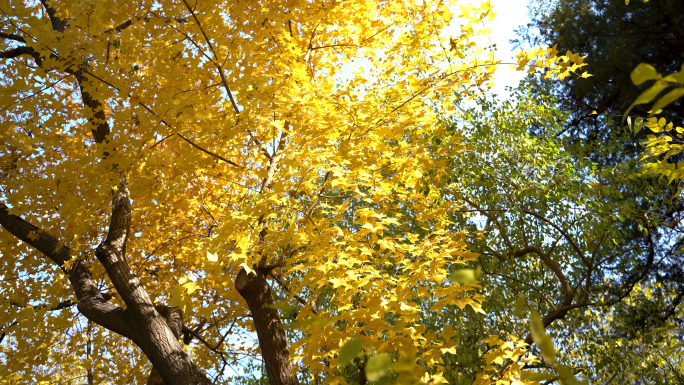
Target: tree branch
pixel 90 301
pixel 19 51
pixel 295 296
pixel 522 283
pixel 267 182
pixel 58 24
pixel 556 315
pixel 62 305
pixel 557 271
pixel 318 196
pixel 487 214
pixel 164 122
pixel 215 61
pixel 140 322
pixel 12 36
pixel 215 155
pixel 563 232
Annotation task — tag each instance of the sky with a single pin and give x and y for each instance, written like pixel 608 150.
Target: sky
pixel 510 14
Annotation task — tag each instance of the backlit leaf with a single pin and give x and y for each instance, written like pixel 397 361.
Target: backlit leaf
pixel 349 351
pixel 377 366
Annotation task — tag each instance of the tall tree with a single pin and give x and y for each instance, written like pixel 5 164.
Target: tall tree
pixel 616 36
pixel 647 293
pixel 169 169
pixel 555 236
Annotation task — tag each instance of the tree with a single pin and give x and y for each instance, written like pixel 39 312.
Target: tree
pixel 617 36
pixel 647 293
pixel 543 239
pixel 164 164
pixel 554 235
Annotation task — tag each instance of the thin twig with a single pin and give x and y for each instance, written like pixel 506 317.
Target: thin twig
pixel 207 151
pixel 295 296
pixel 215 63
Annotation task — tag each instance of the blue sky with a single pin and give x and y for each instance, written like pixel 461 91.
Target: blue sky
pixel 510 14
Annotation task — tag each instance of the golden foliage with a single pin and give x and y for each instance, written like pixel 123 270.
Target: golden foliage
pixel 332 104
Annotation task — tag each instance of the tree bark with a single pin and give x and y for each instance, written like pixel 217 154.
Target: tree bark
pixel 174 319
pixel 154 333
pixel 254 288
pixel 140 321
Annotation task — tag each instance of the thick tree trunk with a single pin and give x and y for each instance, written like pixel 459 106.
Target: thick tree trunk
pixel 144 326
pixel 174 320
pixel 157 337
pixel 156 334
pixel 254 288
pixel 140 321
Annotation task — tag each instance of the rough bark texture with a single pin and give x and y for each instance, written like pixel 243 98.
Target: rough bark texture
pixel 156 334
pixel 91 303
pixel 155 330
pixel 254 288
pixel 152 334
pixel 140 322
pixel 174 319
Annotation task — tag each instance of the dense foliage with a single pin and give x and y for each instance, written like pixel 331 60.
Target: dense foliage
pixel 611 114
pixel 322 192
pixel 616 37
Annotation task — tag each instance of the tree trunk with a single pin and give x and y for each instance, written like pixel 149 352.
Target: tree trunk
pixel 272 340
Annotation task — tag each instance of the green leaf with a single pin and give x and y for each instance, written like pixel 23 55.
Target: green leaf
pixel 466 276
pixel 377 366
pixel 520 304
pixel 638 125
pixel 405 363
pixel 538 376
pixel 567 376
pixel 541 338
pixel 644 72
pixel 349 351
pixel 649 94
pixel 668 98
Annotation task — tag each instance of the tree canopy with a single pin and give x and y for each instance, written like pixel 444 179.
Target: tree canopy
pixel 617 36
pixel 279 192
